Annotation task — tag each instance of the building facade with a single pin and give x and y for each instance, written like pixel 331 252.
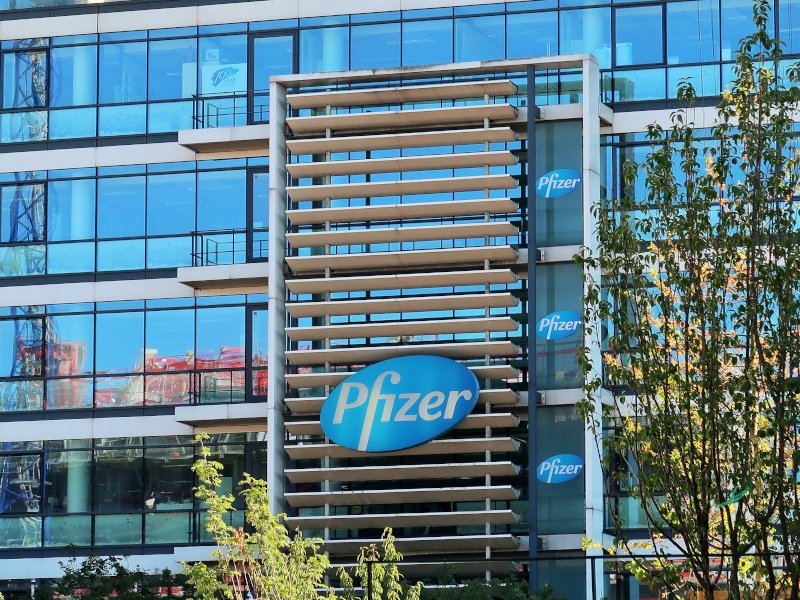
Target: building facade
pixel 212 213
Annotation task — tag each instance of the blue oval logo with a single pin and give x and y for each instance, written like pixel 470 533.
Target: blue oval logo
pixel 558 183
pixel 559 468
pixel 399 403
pixel 558 325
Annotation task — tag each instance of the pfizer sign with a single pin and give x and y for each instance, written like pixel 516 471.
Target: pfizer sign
pixel 558 325
pixel 399 403
pixel 559 468
pixel 558 183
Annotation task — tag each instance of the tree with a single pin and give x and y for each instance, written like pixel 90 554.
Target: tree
pixel 262 560
pixel 700 306
pixel 378 574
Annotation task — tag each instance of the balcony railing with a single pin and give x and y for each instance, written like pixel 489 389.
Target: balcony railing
pixel 230 109
pixel 228 247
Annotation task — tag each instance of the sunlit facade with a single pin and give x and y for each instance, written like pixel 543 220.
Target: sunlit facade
pixel 211 213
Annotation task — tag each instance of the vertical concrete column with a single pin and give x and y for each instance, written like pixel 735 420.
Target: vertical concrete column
pixel 78 480
pixel 276 356
pixel 332 49
pixel 82 209
pixel 84 74
pixel 591 196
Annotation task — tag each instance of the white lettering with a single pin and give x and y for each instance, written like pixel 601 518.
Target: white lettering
pixel 432 400
pixel 342 405
pixel 402 414
pixel 454 397
pixel 372 406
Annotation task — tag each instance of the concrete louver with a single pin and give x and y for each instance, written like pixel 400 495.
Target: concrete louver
pixel 352 236
pixel 431 162
pixel 400 141
pixel 405 519
pixel 398 212
pixel 403 119
pixel 390 256
pixel 416 471
pixel 474 421
pixel 402 187
pixel 400 95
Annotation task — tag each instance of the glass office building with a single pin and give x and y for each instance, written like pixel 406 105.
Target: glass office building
pixel 213 212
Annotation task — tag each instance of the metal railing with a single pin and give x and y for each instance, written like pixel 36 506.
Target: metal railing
pixel 230 109
pixel 228 247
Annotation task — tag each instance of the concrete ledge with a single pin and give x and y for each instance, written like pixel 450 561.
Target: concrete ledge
pixel 226 139
pixel 224 276
pixel 214 414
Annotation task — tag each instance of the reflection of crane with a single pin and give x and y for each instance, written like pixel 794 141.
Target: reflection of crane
pixel 21 475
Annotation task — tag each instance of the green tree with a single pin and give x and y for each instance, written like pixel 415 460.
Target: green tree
pixel 700 306
pixel 262 560
pixel 378 574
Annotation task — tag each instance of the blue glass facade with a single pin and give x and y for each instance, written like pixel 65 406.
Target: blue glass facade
pixel 133 263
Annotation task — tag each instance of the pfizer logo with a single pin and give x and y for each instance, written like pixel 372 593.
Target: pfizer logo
pixel 559 468
pixel 558 325
pixel 399 403
pixel 558 183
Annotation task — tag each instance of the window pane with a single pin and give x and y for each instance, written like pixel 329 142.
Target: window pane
pixel 123 72
pixel 172 71
pixel 120 255
pixel 705 79
pixel 169 116
pixel 170 340
pixel 164 253
pixel 68 481
pixel 70 209
pixel 70 258
pixel 120 339
pixel 692 32
pixel 23 357
pixel 587 30
pixel 120 207
pixel 119 478
pixel 22 212
pixel 375 46
pixel 73 76
pixel 29 126
pixel 25 79
pixel 427 42
pixel 21 532
pixel 21 395
pixel 123 120
pixel 68 531
pixel 324 49
pixel 73 123
pixel 639 39
pixel 789 19
pixel 170 203
pixel 645 84
pixel 737 22
pixel 532 34
pixel 71 345
pixel 221 200
pixel 480 38
pixel 20 488
pixel 223 66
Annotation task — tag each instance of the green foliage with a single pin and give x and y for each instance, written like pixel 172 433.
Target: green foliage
pixel 701 302
pixel 263 561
